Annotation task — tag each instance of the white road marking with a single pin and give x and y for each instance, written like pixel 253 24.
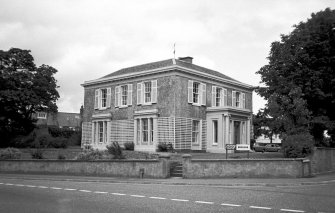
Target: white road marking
pixel 31 186
pixel 19 185
pixel 68 189
pixel 229 204
pixel 118 194
pixel 259 207
pixel 182 200
pixel 1 183
pixel 204 202
pixel 291 210
pixel 137 195
pixel 42 187
pixel 84 190
pixel 98 192
pixel 55 188
pixel 158 198
pixel 9 184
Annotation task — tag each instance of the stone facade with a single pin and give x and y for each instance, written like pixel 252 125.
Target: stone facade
pixel 151 104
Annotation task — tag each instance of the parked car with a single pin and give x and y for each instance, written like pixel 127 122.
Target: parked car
pixel 259 147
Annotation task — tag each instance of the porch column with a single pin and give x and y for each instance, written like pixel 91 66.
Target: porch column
pixel 227 117
pixel 248 131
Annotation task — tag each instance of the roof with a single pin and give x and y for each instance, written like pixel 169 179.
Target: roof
pixel 169 63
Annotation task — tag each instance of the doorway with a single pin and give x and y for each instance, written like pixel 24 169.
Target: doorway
pixel 237 131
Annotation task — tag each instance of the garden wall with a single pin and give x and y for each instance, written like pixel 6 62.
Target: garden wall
pixel 117 168
pixel 245 168
pixel 323 160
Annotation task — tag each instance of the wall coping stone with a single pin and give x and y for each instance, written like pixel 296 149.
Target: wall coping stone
pixel 95 161
pixel 273 159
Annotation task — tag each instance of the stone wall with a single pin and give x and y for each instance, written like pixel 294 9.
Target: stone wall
pixel 245 168
pixel 323 160
pixel 113 168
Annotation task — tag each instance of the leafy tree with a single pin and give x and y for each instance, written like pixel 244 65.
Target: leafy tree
pixel 24 90
pixel 265 125
pixel 300 77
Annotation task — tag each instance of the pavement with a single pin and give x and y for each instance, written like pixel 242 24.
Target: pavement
pixel 320 179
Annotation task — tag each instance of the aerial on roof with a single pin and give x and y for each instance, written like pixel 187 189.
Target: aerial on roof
pixel 164 64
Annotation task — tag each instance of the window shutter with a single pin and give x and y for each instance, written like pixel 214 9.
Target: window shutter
pixel 96 99
pixel 203 94
pixel 130 95
pixel 139 93
pixel 190 91
pixel 109 96
pixel 213 96
pixel 99 99
pixel 234 99
pixel 117 96
pixel 225 97
pixel 243 100
pixel 154 91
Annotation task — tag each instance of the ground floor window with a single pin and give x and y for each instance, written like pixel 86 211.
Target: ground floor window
pixel 145 131
pixel 195 131
pixel 100 131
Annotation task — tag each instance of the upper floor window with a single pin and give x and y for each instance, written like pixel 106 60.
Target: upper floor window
pixel 238 99
pixel 42 115
pixel 123 95
pixel 196 93
pixel 102 98
pixel 219 96
pixel 147 92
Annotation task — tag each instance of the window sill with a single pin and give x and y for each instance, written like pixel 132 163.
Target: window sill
pixel 214 144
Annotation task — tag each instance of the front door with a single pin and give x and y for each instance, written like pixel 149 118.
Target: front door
pixel 237 132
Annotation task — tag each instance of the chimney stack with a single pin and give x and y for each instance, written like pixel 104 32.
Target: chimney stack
pixel 187 59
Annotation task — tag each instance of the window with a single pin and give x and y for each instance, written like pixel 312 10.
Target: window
pixel 123 95
pixel 102 98
pixel 196 93
pixel 238 99
pixel 195 132
pixel 219 96
pixel 145 131
pixel 42 115
pixel 215 132
pixel 147 92
pixel 100 131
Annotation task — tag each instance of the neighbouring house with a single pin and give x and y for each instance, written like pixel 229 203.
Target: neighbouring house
pixel 59 119
pixel 170 101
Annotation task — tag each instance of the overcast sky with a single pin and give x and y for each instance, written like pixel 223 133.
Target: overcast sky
pixel 85 40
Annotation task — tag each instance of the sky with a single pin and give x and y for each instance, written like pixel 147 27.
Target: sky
pixel 87 39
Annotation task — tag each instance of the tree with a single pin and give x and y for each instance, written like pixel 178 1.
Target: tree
pixel 265 125
pixel 300 77
pixel 24 90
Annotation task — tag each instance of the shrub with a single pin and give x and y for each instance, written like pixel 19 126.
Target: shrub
pixel 37 154
pixel 58 143
pixel 90 154
pixel 129 146
pixel 61 157
pixel 42 141
pixel 75 139
pixel 10 153
pixel 165 147
pixel 115 150
pixel 55 131
pixel 24 141
pixel 298 145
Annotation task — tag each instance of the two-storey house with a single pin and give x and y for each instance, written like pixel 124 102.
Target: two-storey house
pixel 171 101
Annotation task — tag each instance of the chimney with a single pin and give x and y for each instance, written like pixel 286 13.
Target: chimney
pixel 187 59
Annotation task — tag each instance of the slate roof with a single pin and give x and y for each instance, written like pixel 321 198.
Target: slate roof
pixel 167 63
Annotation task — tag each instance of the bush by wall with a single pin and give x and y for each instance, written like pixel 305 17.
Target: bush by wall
pixel 10 153
pixel 90 155
pixel 37 154
pixel 298 145
pixel 129 146
pixel 55 131
pixel 115 150
pixel 165 147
